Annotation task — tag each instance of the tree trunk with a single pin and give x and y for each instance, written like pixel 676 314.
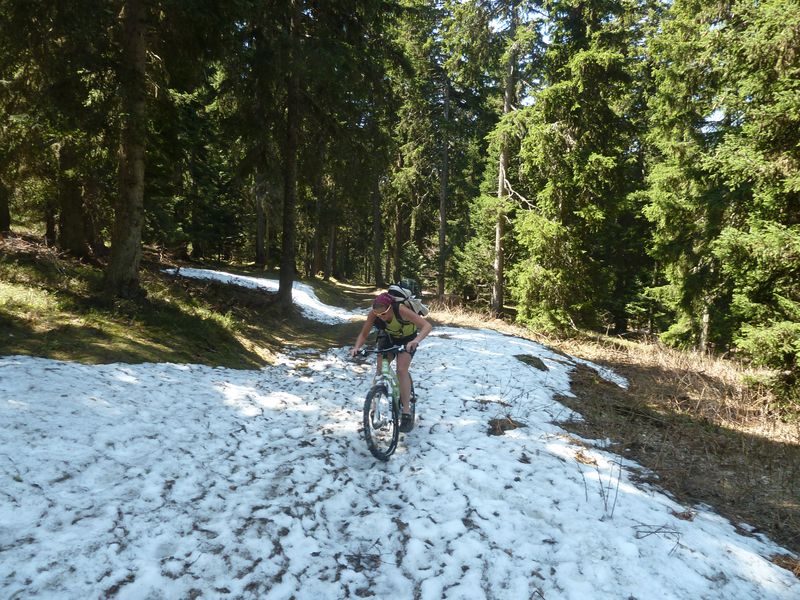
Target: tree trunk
pixel 286 279
pixel 122 274
pixel 50 222
pixel 201 248
pixel 498 287
pixel 91 226
pixel 705 328
pixel 71 220
pixel 306 245
pixel 443 192
pixel 315 264
pixel 5 209
pixel 377 236
pixel 319 190
pixel 261 220
pixel 330 256
pixel 398 243
pixel 269 205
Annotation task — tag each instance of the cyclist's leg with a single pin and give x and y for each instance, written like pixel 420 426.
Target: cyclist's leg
pixel 403 364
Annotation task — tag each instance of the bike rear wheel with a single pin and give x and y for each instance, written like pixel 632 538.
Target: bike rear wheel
pixel 381 423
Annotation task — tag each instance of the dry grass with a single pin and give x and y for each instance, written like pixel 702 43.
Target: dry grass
pixel 693 384
pixel 29 245
pixel 787 562
pixel 454 314
pixel 703 435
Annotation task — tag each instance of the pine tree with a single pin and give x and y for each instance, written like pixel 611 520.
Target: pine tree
pixel 56 85
pixel 759 161
pixel 494 48
pixel 688 204
pixel 581 237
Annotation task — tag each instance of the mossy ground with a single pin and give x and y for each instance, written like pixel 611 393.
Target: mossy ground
pixel 51 306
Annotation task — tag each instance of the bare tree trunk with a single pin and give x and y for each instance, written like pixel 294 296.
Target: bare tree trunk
pixel 398 243
pixel 91 226
pixel 5 209
pixel 286 279
pixel 71 221
pixel 443 183
pixel 316 243
pixel 377 236
pixel 498 287
pixel 201 248
pixel 122 274
pixel 259 197
pixel 271 197
pixel 50 222
pixel 705 327
pixel 319 190
pixel 330 256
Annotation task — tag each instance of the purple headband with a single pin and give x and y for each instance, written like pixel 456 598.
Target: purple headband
pixel 384 299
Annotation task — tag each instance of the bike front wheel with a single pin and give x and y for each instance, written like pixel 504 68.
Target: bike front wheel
pixel 381 423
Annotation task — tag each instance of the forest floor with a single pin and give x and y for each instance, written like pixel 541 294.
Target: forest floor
pixel 704 437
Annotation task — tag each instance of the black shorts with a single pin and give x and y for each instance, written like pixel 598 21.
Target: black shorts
pixel 387 341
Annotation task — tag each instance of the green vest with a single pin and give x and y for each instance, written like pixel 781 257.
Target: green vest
pixel 397 328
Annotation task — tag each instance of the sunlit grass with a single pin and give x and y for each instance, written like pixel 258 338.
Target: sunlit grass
pixel 52 307
pixel 28 302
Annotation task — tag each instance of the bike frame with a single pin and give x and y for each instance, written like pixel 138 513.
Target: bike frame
pixel 387 375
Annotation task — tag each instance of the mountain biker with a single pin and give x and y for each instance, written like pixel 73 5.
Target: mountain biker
pixel 399 326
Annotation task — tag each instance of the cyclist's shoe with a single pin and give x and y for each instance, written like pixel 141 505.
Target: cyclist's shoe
pixel 406 423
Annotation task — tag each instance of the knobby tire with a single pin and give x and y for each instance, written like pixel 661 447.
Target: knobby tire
pixel 381 437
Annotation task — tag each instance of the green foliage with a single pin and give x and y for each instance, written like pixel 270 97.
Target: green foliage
pixel 653 164
pixel 763 262
pixel 774 344
pixel 415 266
pixel 474 270
pixel 688 207
pixel 551 285
pixel 474 261
pixel 581 159
pixel 724 198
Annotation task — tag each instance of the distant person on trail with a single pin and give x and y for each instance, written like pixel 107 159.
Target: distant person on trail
pixel 399 326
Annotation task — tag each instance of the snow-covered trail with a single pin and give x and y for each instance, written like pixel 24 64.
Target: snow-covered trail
pixel 184 481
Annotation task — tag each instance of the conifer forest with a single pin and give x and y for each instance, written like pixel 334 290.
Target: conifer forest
pixel 610 165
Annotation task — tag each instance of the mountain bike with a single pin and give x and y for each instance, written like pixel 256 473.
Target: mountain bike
pixel 382 407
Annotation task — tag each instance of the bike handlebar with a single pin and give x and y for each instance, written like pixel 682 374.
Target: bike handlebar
pixel 364 351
